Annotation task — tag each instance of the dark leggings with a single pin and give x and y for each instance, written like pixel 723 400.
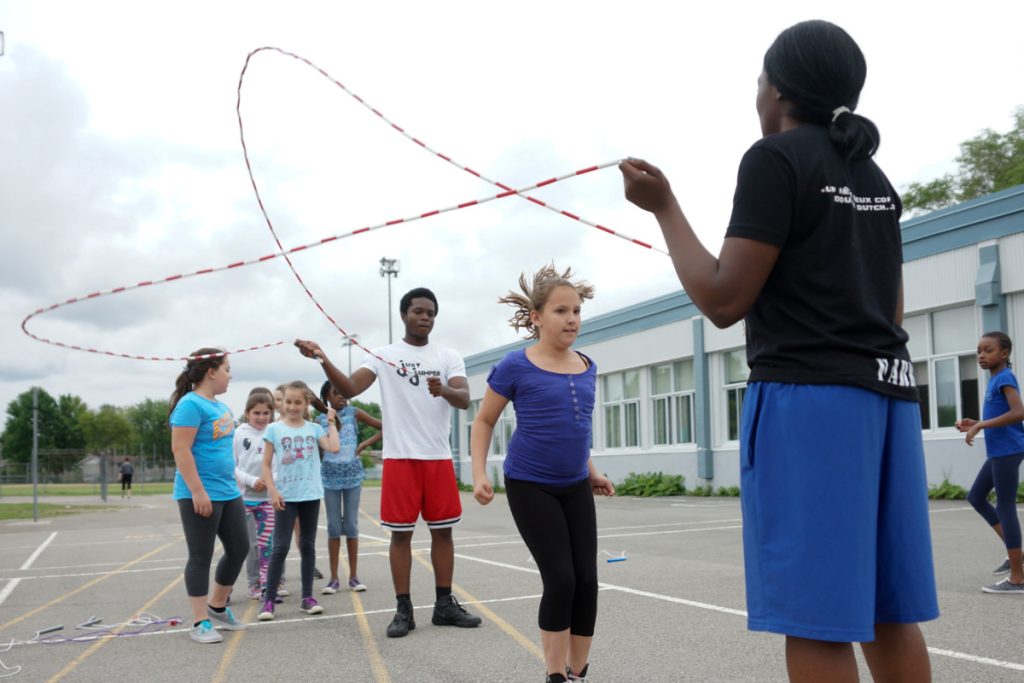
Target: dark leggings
pixel 126 482
pixel 559 526
pixel 226 523
pixel 1003 475
pixel 307 512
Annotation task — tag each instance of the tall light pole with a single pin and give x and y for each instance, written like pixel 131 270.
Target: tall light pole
pixel 388 268
pixel 351 341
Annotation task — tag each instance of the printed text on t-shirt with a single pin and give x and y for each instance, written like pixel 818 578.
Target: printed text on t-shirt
pixel 843 195
pixel 411 370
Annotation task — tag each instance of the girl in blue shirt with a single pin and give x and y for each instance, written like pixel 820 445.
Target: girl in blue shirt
pixel 342 474
pixel 549 476
pixel 1004 445
pixel 206 491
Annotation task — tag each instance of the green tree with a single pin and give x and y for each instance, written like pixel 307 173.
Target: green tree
pixel 71 409
pixel 987 163
pixel 17 436
pixel 149 419
pixel 107 428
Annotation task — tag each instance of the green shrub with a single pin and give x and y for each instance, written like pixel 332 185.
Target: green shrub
pixel 651 484
pixel 947 491
pixel 730 491
pixel 702 491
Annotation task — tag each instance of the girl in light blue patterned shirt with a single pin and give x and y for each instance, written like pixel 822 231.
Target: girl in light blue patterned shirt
pixel 342 474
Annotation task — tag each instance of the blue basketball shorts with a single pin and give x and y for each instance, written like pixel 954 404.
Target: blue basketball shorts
pixel 836 533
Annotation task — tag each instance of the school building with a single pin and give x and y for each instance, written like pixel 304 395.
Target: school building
pixel 671 384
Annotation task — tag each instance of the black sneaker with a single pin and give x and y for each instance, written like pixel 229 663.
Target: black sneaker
pixel 448 612
pixel 581 676
pixel 555 678
pixel 402 623
pixel 317 574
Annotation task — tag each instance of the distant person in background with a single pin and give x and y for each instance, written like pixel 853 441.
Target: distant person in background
pixel 126 477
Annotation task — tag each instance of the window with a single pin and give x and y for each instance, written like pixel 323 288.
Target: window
pixel 736 373
pixel 942 345
pixel 672 395
pixel 503 428
pixel 620 395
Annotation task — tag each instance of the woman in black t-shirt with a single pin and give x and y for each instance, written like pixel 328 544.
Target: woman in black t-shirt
pixel 836 538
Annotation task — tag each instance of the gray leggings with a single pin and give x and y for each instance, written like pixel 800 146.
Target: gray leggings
pixel 226 523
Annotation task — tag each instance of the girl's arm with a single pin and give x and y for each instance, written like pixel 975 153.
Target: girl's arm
pixel 268 476
pixel 600 484
pixel 480 441
pixel 369 442
pixel 182 439
pixel 331 442
pixel 1012 416
pixel 723 288
pixel 367 419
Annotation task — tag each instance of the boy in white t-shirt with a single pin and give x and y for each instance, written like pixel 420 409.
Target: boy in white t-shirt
pixel 419 477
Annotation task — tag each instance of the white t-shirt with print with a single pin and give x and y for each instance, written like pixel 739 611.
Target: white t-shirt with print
pixel 418 424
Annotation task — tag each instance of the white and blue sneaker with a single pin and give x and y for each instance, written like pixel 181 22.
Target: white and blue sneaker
pixel 225 620
pixel 203 632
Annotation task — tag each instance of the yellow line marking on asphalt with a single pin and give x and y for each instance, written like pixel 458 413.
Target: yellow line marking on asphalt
pixel 92 583
pixel 380 670
pixel 232 647
pixel 510 630
pixel 73 664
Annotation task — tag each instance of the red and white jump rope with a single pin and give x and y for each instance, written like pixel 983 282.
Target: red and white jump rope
pixel 506 191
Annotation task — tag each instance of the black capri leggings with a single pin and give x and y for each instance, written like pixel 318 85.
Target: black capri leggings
pixel 553 520
pixel 1003 475
pixel 307 512
pixel 226 523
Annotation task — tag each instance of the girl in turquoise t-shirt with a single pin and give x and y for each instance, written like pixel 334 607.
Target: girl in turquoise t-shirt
pixel 1002 416
pixel 296 489
pixel 205 490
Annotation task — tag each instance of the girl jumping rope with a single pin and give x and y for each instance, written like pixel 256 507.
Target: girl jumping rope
pixel 1004 445
pixel 836 539
pixel 342 473
pixel 259 512
pixel 293 443
pixel 549 476
pixel 206 491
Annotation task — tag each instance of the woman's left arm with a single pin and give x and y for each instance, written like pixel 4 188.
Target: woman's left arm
pixel 600 484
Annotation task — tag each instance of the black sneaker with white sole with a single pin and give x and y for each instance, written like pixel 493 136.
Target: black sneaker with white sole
pixel 448 612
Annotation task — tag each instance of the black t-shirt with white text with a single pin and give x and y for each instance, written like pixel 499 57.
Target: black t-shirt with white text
pixel 827 313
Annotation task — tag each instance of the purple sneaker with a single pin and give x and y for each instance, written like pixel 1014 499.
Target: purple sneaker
pixel 332 587
pixel 268 611
pixel 355 585
pixel 311 606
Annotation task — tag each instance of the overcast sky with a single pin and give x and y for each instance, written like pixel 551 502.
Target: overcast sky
pixel 121 159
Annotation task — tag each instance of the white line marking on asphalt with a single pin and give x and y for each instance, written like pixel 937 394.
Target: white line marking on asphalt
pixel 8 589
pixel 39 551
pixel 13 583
